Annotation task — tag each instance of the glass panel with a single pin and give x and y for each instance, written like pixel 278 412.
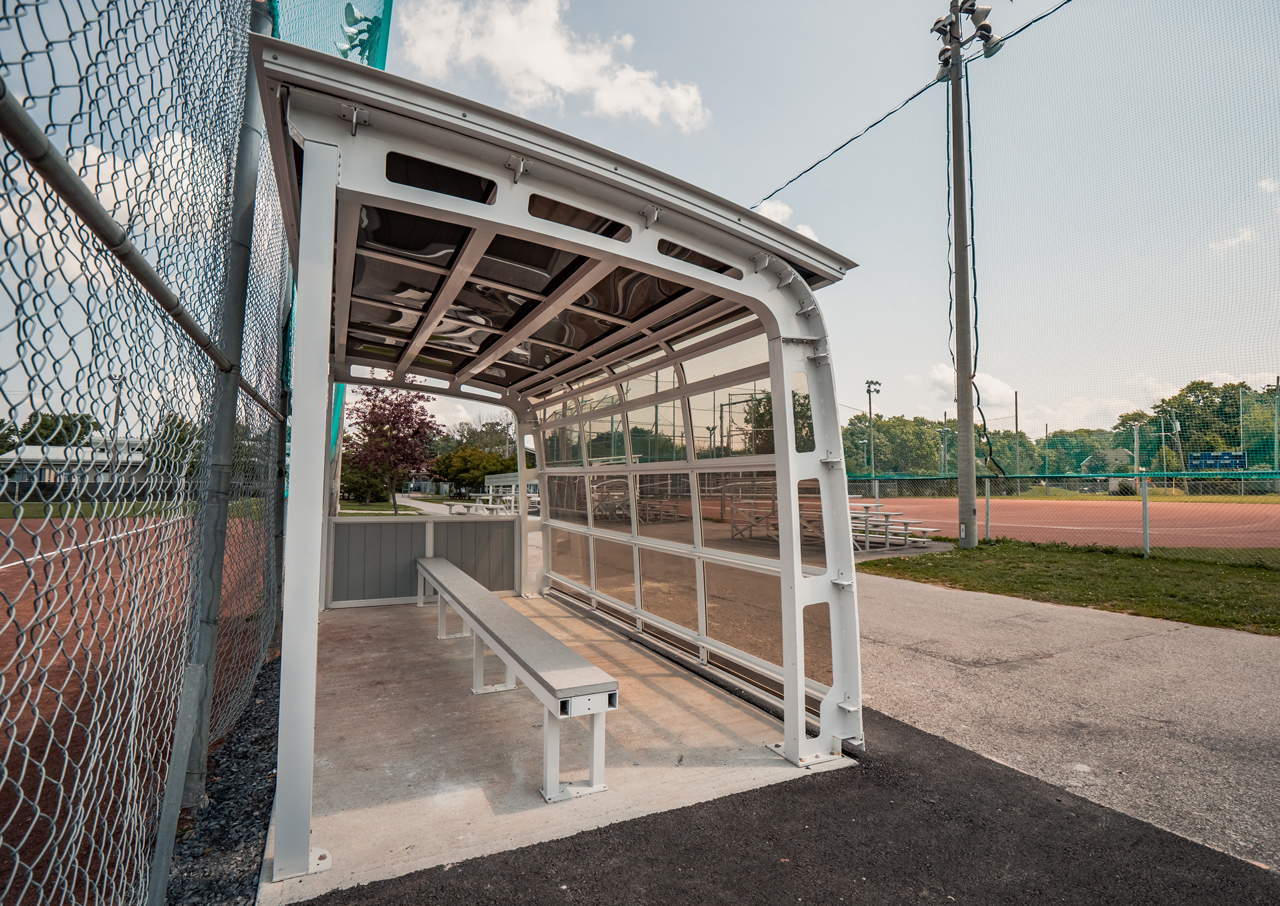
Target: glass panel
pixel 558 212
pixel 813 546
pixel 397 284
pixel 522 264
pixel 629 294
pixel 563 445
pixel 671 250
pixel 669 587
pixel 600 398
pixel 574 328
pixel 657 433
pixel 802 412
pixel 740 512
pixel 564 409
pixel 649 384
pixel 743 354
pixel 410 235
pixel 615 570
pixel 569 556
pixel 733 421
pixel 533 356
pixel 605 442
pixel 566 498
pixel 744 610
pixel 817 643
pixel 486 306
pixel 611 503
pixel 664 506
pixel 723 326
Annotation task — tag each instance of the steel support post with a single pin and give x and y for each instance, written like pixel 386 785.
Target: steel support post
pixel 966 468
pixel 304 535
pixel 231 340
pixel 1146 525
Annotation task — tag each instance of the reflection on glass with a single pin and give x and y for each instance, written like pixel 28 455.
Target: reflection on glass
pixel 744 610
pixel 669 587
pixel 563 445
pixel 740 512
pixel 615 570
pixel 733 421
pixel 657 432
pixel 566 498
pixel 600 398
pixel 605 442
pixel 649 384
pixel 521 264
pixel 611 503
pixel 813 546
pixel 817 643
pixel 563 409
pixel 569 556
pixel 664 506
pixel 802 412
pixel 752 351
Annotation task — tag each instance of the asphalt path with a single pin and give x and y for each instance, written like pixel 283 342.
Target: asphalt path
pixel 918 820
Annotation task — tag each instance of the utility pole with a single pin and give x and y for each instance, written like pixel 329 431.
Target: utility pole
pixel 872 387
pixel 1275 437
pixel 952 58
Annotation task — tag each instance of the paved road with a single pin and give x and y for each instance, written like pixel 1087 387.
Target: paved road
pixel 1178 725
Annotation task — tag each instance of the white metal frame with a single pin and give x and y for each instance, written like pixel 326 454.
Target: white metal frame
pixel 349 118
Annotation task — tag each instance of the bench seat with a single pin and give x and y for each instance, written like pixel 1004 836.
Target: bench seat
pixel 566 683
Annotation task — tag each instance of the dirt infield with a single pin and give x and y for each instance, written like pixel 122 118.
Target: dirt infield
pixel 1112 522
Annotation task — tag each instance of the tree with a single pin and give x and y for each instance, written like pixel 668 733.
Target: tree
pixel 394 436
pixel 467 467
pixel 70 429
pixel 356 482
pixel 175 448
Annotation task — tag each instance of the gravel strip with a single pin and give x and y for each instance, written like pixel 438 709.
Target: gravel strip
pixel 219 857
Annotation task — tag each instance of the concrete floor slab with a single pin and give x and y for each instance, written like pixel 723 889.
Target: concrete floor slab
pixel 413 770
pixel 1177 725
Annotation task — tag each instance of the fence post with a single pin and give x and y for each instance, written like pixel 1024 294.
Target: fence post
pixel 987 533
pixel 214 531
pixel 1146 527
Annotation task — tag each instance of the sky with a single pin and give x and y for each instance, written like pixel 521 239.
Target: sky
pixel 1126 196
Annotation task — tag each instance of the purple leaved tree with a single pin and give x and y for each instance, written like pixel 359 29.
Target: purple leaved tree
pixel 394 435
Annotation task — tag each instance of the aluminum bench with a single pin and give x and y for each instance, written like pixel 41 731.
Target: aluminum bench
pixel 566 683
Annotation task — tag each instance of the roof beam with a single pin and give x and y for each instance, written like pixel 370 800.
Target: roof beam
pixel 469 255
pixel 648 341
pixel 343 274
pixel 587 275
pixel 688 297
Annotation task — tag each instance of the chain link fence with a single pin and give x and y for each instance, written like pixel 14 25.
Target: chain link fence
pixel 106 430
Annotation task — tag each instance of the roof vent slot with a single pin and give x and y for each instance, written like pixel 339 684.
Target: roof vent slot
pixel 558 212
pixel 433 177
pixel 671 250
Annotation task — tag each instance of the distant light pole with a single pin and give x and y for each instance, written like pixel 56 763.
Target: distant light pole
pixel 949 29
pixel 872 387
pixel 117 380
pixel 942 451
pixel 1275 436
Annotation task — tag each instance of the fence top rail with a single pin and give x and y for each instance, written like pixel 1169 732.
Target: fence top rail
pixel 422 517
pixel 1199 474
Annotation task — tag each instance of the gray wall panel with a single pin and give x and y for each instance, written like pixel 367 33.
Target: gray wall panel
pixel 374 560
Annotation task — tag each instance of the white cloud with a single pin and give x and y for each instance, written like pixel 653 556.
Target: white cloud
pixel 539 61
pixel 777 211
pixel 807 231
pixel 1269 185
pixel 1244 236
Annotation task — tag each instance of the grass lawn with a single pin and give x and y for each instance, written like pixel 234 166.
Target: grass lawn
pixel 348 508
pixel 1105 578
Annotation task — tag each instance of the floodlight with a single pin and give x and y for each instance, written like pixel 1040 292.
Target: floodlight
pixel 992 47
pixel 984 33
pixel 942 27
pixel 944 55
pixel 944 74
pixel 977 14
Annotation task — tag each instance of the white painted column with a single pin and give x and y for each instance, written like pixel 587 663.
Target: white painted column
pixel 304 526
pixel 522 507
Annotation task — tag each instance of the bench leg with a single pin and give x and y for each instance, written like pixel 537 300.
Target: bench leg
pixel 477 673
pixel 442 619
pixel 551 789
pixel 596 777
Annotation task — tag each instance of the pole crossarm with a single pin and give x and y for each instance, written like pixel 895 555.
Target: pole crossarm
pixel 28 140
